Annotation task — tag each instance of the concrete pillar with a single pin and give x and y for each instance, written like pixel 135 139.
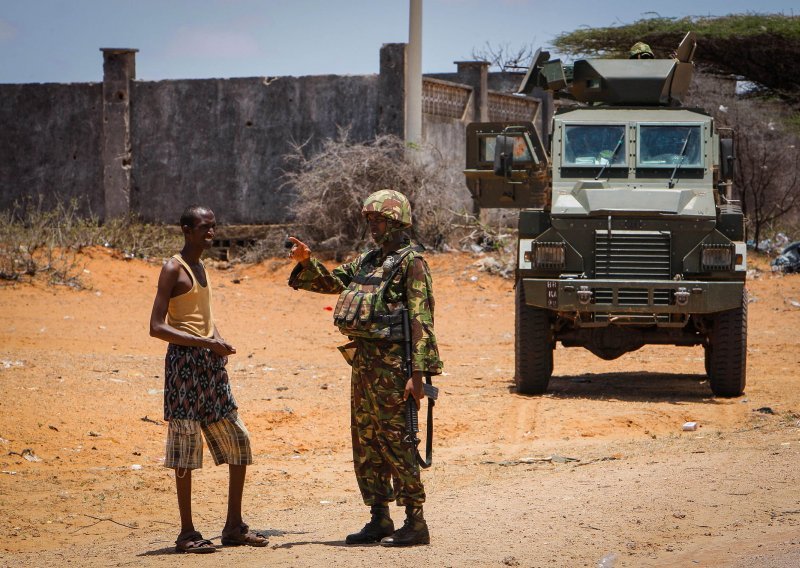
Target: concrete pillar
pixel 119 69
pixel 392 90
pixel 476 75
pixel 414 73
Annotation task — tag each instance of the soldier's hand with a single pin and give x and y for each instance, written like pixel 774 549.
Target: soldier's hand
pixel 414 388
pixel 300 251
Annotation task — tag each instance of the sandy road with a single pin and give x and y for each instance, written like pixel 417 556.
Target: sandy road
pixel 597 466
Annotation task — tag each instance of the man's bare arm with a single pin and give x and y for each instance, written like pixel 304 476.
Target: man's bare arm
pixel 219 338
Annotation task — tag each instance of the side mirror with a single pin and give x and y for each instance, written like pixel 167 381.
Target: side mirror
pixel 727 158
pixel 503 155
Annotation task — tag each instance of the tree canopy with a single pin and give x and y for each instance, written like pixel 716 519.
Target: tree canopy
pixel 763 48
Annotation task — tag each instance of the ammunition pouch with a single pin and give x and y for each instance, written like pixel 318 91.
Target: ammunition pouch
pixel 362 311
pixel 357 315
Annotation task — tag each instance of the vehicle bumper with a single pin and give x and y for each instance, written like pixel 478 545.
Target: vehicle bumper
pixel 633 296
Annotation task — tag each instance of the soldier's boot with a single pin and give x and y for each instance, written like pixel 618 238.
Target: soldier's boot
pixel 414 530
pixel 379 526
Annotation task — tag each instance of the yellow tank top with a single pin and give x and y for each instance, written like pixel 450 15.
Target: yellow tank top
pixel 191 312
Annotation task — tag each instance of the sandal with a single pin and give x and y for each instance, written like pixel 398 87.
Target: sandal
pixel 244 537
pixel 194 543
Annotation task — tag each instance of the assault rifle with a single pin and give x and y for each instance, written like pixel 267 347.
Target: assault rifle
pixel 412 418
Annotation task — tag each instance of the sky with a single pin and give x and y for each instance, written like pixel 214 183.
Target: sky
pixel 44 41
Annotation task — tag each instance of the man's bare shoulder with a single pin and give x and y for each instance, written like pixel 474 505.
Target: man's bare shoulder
pixel 171 265
pixel 170 271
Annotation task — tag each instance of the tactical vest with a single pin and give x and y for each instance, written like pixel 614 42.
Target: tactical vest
pixel 362 311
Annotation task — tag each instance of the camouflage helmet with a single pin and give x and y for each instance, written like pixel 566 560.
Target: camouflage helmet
pixel 391 204
pixel 641 50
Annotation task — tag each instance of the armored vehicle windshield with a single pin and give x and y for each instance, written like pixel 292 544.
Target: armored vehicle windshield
pixel 593 145
pixel 663 145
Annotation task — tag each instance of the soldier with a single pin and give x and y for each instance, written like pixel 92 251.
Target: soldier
pixel 640 50
pixel 373 289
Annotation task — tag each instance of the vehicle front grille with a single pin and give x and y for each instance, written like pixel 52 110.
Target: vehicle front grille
pixel 632 255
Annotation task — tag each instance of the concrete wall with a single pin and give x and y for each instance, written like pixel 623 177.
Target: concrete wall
pixel 51 144
pixel 222 142
pixel 152 148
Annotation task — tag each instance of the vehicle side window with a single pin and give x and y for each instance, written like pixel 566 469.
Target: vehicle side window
pixel 521 152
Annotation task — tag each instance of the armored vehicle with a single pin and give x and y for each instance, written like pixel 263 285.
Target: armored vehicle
pixel 628 235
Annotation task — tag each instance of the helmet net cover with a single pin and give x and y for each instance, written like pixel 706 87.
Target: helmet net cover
pixel 391 204
pixel 641 50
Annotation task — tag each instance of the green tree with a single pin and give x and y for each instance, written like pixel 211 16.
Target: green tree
pixel 763 48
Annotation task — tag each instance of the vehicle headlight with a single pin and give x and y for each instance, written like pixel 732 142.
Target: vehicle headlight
pixel 548 256
pixel 717 257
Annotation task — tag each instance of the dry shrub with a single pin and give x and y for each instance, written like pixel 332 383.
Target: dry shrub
pixel 35 241
pixel 767 172
pixel 134 238
pixel 270 245
pixel 331 184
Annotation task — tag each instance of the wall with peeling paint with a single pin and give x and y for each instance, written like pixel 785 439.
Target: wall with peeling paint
pixel 152 148
pixel 50 144
pixel 222 142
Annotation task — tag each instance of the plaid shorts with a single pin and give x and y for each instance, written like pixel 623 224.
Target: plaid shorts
pixel 228 441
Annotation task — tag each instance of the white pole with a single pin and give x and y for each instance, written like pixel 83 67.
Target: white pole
pixel 414 74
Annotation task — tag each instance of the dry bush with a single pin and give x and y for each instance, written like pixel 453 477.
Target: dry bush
pixel 330 186
pixel 270 245
pixel 504 57
pixel 35 241
pixel 137 239
pixel 767 172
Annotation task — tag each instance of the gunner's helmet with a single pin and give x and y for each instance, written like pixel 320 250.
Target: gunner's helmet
pixel 641 50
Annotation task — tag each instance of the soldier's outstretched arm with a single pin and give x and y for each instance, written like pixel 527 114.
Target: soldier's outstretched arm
pixel 310 274
pixel 300 253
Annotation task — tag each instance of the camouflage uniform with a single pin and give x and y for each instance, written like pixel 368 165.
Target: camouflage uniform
pixel 377 421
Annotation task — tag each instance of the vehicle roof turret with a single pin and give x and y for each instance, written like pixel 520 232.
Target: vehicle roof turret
pixel 656 82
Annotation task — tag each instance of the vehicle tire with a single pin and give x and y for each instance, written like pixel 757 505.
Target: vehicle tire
pixel 727 351
pixel 533 346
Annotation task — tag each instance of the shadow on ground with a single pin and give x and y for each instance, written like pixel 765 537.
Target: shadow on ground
pixel 171 549
pixel 335 543
pixel 632 386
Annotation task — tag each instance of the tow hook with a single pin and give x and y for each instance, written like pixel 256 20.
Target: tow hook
pixel 681 296
pixel 584 295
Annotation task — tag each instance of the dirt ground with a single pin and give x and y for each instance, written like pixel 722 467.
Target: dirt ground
pixel 598 468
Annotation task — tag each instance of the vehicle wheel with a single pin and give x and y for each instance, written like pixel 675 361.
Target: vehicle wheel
pixel 707 352
pixel 727 359
pixel 533 346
